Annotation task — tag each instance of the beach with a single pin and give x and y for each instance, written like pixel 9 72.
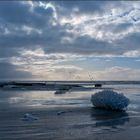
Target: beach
pixel 69 116
pixel 69 70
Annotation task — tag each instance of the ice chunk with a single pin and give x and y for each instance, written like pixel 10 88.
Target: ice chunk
pixel 109 99
pixel 61 112
pixel 29 117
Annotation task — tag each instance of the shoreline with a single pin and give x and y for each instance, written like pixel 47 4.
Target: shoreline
pixel 73 123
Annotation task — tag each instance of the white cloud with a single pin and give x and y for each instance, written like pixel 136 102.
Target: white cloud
pixel 114 25
pixel 67 40
pixel 49 5
pixel 46 66
pixel 28 30
pixel 133 53
pixel 118 73
pixel 42 65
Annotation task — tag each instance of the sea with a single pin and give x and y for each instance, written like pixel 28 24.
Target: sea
pixel 43 115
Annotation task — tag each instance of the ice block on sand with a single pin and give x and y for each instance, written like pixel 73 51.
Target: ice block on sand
pixel 29 117
pixel 109 99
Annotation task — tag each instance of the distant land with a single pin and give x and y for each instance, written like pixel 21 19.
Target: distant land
pixel 70 82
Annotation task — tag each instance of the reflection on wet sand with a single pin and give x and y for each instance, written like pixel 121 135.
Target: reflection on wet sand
pixel 109 118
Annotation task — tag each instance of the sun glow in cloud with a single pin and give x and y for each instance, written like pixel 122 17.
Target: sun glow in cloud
pixel 70 40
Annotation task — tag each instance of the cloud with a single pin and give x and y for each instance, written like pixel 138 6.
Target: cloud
pixel 118 73
pixel 38 56
pixel 48 25
pixel 12 72
pixel 33 17
pixel 107 27
pixel 43 34
pixel 133 53
pixel 67 72
pixel 46 66
pixel 70 72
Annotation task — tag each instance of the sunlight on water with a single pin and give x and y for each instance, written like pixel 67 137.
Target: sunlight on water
pixel 48 98
pixel 38 98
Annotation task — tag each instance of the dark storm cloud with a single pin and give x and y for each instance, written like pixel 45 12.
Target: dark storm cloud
pixel 81 6
pixel 87 45
pixel 50 39
pixel 16 14
pixel 27 27
pixel 9 71
pixel 13 17
pixel 130 42
pixel 8 52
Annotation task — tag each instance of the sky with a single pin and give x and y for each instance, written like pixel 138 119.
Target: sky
pixel 70 40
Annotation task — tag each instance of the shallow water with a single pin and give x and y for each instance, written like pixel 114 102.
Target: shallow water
pixel 78 118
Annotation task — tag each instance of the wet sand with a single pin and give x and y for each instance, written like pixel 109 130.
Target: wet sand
pixel 66 117
pixel 69 123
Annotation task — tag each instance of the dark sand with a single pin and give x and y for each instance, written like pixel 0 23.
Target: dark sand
pixel 69 123
pixel 66 117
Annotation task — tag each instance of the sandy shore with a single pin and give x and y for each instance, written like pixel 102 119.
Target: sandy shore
pixel 69 116
pixel 69 123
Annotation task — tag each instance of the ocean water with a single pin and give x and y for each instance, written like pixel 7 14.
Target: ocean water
pixel 67 116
